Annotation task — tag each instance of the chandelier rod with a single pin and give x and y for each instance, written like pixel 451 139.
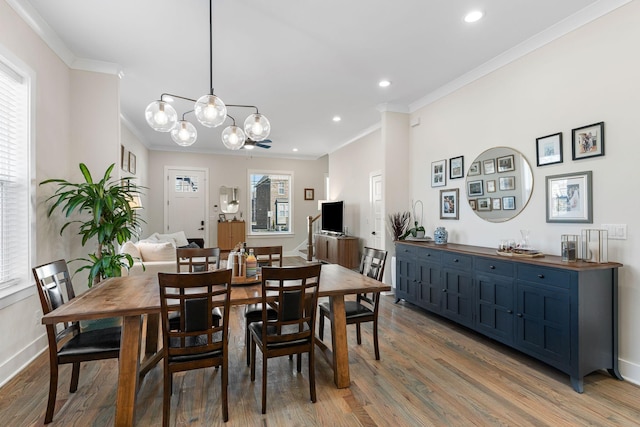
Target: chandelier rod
pixel 211 47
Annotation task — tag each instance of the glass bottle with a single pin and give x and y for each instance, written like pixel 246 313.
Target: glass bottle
pixel 252 264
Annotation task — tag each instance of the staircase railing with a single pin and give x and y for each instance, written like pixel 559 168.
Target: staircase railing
pixel 310 229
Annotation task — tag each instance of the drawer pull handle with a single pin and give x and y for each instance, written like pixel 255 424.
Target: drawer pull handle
pixel 455 260
pixel 428 254
pixel 492 267
pixel 509 311
pixel 540 276
pixel 519 314
pixel 444 290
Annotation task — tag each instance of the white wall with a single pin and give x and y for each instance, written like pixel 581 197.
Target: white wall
pixel 587 76
pixel 231 171
pixel 131 143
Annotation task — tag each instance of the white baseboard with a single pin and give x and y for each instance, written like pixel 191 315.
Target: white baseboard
pixel 21 359
pixel 630 371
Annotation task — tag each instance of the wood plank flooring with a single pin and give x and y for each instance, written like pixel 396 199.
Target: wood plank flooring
pixel 432 373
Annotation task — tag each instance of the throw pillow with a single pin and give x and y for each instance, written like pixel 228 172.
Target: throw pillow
pixel 131 249
pixel 192 245
pixel 161 251
pixel 179 238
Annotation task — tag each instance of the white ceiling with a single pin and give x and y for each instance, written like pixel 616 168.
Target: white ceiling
pixel 300 61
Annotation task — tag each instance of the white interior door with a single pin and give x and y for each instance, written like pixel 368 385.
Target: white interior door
pixel 186 202
pixel 376 240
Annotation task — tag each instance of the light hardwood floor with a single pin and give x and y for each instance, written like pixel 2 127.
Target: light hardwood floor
pixel 432 373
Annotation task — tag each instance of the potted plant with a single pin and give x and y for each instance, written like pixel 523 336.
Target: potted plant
pixel 107 216
pixel 417 230
pixel 398 222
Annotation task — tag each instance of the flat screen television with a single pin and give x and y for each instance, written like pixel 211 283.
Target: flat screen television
pixel 332 217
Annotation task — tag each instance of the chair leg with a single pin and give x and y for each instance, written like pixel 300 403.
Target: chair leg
pixel 247 342
pixel 312 374
pixel 253 359
pixel 225 402
pixel 264 383
pixel 375 339
pixel 75 376
pixel 299 362
pixel 358 333
pixel 321 325
pixel 53 389
pixel 166 397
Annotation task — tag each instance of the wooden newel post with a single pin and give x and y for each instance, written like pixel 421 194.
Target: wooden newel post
pixel 309 238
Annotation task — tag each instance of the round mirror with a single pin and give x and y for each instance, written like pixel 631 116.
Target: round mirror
pixel 229 199
pixel 499 184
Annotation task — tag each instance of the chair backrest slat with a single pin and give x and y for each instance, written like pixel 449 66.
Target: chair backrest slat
pixel 372 265
pixel 267 255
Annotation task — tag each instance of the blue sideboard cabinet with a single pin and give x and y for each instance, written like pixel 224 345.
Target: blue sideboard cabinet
pixel 564 314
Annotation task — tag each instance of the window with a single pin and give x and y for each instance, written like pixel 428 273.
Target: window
pixel 271 203
pixel 15 181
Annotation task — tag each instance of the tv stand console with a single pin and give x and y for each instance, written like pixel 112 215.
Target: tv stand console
pixel 343 250
pixel 562 313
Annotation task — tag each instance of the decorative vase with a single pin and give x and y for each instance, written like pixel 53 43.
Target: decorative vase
pixel 440 236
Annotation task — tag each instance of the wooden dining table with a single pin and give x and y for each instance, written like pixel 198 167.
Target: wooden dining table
pixel 134 297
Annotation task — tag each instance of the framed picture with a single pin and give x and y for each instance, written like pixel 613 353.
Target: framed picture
pixel 489 166
pixel 456 167
pixel 506 163
pixel 587 141
pixel 491 186
pixel 509 203
pixel 124 160
pixel 473 203
pixel 222 217
pixel 474 169
pixel 439 173
pixel 496 204
pixel 474 188
pixel 549 149
pixel 449 204
pixel 569 198
pixel 484 204
pixel 132 163
pixel 506 183
pixel 308 194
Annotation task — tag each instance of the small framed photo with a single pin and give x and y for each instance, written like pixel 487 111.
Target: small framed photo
pixel 222 217
pixel 132 163
pixel 506 183
pixel 491 186
pixel 506 163
pixel 308 194
pixel 569 198
pixel 496 204
pixel 449 204
pixel 456 167
pixel 484 203
pixel 124 159
pixel 587 141
pixel 549 149
pixel 473 204
pixel 439 173
pixel 474 169
pixel 509 203
pixel 489 166
pixel 474 188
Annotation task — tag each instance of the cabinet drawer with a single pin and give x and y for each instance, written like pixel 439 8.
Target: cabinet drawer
pixel 462 262
pixel 405 251
pixel 543 275
pixel 428 255
pixel 492 266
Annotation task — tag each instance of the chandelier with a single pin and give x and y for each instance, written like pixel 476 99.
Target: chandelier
pixel 209 110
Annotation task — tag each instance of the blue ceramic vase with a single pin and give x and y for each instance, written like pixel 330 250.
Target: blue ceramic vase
pixel 440 236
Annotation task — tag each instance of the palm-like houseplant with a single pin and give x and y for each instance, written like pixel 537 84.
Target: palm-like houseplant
pixel 111 219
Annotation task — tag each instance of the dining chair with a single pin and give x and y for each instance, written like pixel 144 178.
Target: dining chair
pixel 192 260
pixel 196 342
pixel 69 345
pixel 293 292
pixel 365 307
pixel 267 257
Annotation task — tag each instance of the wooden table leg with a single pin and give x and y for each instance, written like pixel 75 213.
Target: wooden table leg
pixel 151 354
pixel 129 365
pixel 339 342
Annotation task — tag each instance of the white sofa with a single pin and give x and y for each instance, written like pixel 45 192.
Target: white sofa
pixel 157 253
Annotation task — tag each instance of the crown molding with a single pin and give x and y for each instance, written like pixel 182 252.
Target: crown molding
pixel 567 25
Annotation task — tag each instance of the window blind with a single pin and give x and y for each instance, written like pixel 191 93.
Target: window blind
pixel 14 178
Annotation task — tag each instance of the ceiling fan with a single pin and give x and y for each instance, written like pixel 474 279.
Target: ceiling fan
pixel 250 144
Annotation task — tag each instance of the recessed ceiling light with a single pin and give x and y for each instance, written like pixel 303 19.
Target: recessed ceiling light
pixel 384 83
pixel 473 16
pixel 295 149
pixel 337 118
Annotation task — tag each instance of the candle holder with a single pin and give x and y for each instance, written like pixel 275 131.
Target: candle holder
pixel 569 247
pixel 595 245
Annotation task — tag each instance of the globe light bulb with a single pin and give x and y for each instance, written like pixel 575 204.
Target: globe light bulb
pixel 161 116
pixel 210 111
pixel 257 127
pixel 233 138
pixel 184 134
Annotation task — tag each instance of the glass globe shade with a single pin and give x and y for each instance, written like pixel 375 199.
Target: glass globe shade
pixel 257 127
pixel 184 134
pixel 233 138
pixel 210 111
pixel 161 116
